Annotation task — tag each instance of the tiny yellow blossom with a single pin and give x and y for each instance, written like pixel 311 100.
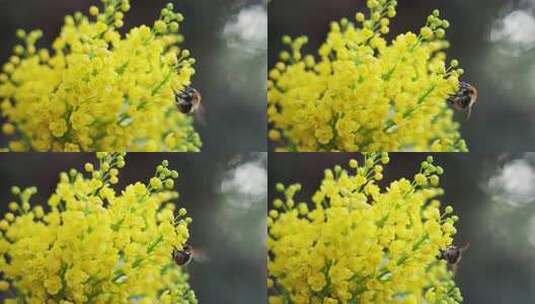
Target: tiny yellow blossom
pixel 93 10
pixel 358 243
pixel 95 245
pixel 365 93
pixel 97 89
pixel 8 129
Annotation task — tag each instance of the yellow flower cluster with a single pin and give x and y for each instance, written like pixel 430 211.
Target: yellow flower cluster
pixel 93 245
pixel 358 243
pixel 365 93
pixel 98 90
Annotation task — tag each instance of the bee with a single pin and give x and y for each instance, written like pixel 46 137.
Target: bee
pixel 183 257
pixel 188 100
pixel 464 98
pixel 453 255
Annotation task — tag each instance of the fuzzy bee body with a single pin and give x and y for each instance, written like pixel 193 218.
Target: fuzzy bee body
pixel 188 100
pixel 184 256
pixel 464 98
pixel 452 255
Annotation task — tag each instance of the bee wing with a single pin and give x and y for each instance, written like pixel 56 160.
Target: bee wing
pixel 200 115
pixel 465 246
pixel 471 105
pixel 468 112
pixel 473 99
pixel 200 256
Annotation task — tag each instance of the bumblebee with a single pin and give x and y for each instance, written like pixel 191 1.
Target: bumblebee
pixel 453 255
pixel 188 100
pixel 184 256
pixel 464 99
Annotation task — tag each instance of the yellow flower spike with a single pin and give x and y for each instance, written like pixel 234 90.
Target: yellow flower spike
pixel 356 242
pixel 363 92
pixel 93 92
pixel 92 244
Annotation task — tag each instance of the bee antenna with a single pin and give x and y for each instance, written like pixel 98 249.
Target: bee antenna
pixel 465 246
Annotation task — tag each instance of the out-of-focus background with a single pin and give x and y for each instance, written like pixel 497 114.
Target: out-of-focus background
pixel 493 194
pixel 225 194
pixel 227 37
pixel 494 41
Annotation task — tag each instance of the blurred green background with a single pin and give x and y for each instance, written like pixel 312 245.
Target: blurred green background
pixel 494 41
pixel 227 37
pixel 493 194
pixel 225 194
